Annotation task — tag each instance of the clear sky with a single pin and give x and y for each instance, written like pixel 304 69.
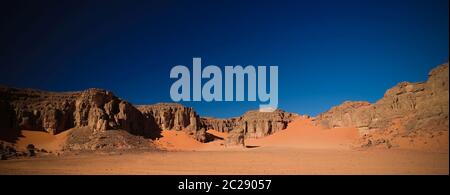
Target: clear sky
pixel 327 51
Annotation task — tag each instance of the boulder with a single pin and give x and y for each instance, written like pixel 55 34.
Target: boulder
pixel 235 137
pixel 31 150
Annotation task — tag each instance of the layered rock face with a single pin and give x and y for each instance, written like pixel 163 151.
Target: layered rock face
pixel 259 124
pixel 408 106
pixel 93 109
pixel 235 138
pixel 348 114
pixel 256 124
pixel 96 109
pixel 172 116
pixel 221 125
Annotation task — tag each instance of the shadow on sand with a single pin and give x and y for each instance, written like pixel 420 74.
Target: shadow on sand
pixel 251 146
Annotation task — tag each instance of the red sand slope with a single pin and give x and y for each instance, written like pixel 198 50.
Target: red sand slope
pixel 177 140
pixel 42 140
pixel 301 133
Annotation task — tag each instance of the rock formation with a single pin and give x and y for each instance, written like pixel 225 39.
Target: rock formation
pixel 173 116
pixel 97 109
pixel 84 139
pixel 421 105
pixel 405 108
pixel 348 114
pixel 259 124
pixel 408 109
pixel 235 137
pixel 255 123
pixel 221 125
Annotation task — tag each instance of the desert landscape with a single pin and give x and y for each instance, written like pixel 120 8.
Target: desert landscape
pixel 95 132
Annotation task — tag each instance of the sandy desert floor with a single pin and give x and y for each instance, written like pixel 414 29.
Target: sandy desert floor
pixel 302 148
pixel 269 160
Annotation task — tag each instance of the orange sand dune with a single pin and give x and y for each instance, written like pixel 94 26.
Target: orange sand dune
pixel 301 133
pixel 219 135
pixel 42 140
pixel 177 140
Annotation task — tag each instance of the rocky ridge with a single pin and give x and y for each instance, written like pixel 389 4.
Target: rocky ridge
pixel 405 110
pixel 173 116
pixel 254 123
pixel 53 112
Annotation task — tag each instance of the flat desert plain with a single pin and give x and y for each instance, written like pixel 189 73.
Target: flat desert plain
pixel 302 148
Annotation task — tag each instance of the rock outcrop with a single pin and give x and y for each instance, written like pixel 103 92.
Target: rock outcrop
pixel 419 105
pixel 173 116
pixel 256 124
pixel 348 114
pixel 53 112
pixel 235 137
pixel 84 139
pixel 221 125
pixel 259 124
pixel 405 108
pixel 406 111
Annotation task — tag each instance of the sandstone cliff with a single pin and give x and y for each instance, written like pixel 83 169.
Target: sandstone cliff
pixel 221 125
pixel 97 109
pixel 256 124
pixel 405 111
pixel 173 116
pixel 406 108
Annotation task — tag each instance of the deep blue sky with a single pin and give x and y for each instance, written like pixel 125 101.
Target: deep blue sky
pixel 327 51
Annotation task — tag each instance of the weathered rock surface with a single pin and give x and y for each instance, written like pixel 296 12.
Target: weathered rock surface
pixel 221 125
pixel 256 124
pixel 235 137
pixel 96 111
pixel 406 111
pixel 405 108
pixel 173 116
pixel 259 124
pixel 348 114
pixel 54 112
pixel 84 139
pixel 421 106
